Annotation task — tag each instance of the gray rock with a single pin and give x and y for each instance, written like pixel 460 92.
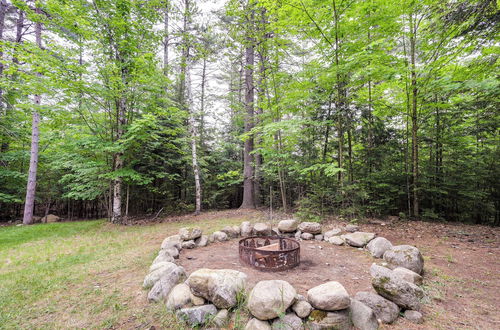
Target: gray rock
pixel 219 286
pixel 201 241
pixel 390 286
pixel 173 241
pixel 221 318
pixel 231 231
pixel 187 234
pixel 246 229
pixel 408 275
pixel 336 240
pixel 351 228
pixel 288 322
pixel 158 271
pixel 297 235
pixel 414 316
pixel 269 299
pixel 358 239
pixel 50 218
pixel 307 236
pixel 188 244
pixel 310 227
pixel 262 229
pixel 329 296
pixel 331 233
pixel 318 237
pixel 164 285
pixel 199 315
pixel 321 320
pixel 406 256
pixel 385 310
pixel 302 308
pixel 179 297
pixel 378 246
pixel 362 316
pixel 288 226
pixel 256 324
pixel 164 257
pixel 196 300
pixel 220 236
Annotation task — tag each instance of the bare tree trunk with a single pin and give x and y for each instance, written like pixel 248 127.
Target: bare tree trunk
pixel 35 137
pixel 248 169
pixel 194 154
pixel 339 104
pixel 3 10
pixel 202 104
pixel 166 40
pixel 414 117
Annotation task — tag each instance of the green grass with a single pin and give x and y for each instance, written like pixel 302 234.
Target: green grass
pixel 83 274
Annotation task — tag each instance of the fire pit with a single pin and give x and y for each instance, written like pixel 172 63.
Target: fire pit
pixel 269 253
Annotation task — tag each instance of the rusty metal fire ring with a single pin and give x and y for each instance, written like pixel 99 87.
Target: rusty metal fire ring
pixel 269 253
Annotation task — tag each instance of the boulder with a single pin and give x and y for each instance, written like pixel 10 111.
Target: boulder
pixel 221 318
pixel 163 257
pixel 329 296
pixel 378 246
pixel 164 285
pixel 188 244
pixel 307 236
pixel 220 236
pixel 173 241
pixel 331 233
pixel 336 240
pixel 310 227
pixel 288 226
pixel 201 241
pixel 288 322
pixel 351 228
pixel 187 234
pixel 269 299
pixel 256 324
pixel 262 229
pixel 385 310
pixel 359 238
pixel 318 237
pixel 179 297
pixel 196 316
pixel 49 218
pixel 298 234
pixel 219 286
pixel 158 272
pixel 246 229
pixel 231 231
pixel 408 275
pixel 406 256
pixel 321 320
pixel 302 308
pixel 196 300
pixel 362 316
pixel 414 316
pixel 405 294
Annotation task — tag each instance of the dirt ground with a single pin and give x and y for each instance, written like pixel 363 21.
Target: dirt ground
pixel 462 269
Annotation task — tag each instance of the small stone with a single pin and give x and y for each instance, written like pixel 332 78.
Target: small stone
pixel 188 244
pixel 256 324
pixel 362 316
pixel 307 236
pixel 359 238
pixel 351 228
pixel 321 320
pixel 318 237
pixel 288 226
pixel 187 234
pixel 288 322
pixel 262 229
pixel 310 227
pixel 220 236
pixel 329 296
pixel 179 297
pixel 201 241
pixel 336 240
pixel 196 300
pixel 414 316
pixel 297 235
pixel 408 275
pixel 378 246
pixel 302 308
pixel 199 315
pixel 332 232
pixel 221 318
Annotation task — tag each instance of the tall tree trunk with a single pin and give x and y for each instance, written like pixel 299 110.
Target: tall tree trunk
pixel 340 102
pixel 31 186
pixel 166 40
pixel 3 10
pixel 248 169
pixel 414 116
pixel 202 105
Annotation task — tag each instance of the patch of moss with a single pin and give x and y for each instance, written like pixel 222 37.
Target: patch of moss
pixel 317 315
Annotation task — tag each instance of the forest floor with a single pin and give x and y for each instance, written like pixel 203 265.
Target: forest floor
pixel 89 274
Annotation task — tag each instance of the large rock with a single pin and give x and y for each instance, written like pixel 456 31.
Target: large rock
pixel 164 285
pixel 256 324
pixel 406 256
pixel 288 226
pixel 187 234
pixel 246 229
pixel 362 316
pixel 302 308
pixel 385 310
pixel 158 271
pixel 262 229
pixel 269 299
pixel 408 275
pixel 310 227
pixel 231 231
pixel 188 244
pixel 173 241
pixel 288 322
pixel 201 241
pixel 220 320
pixel 321 320
pixel 172 251
pixel 307 236
pixel 358 239
pixel 196 316
pixel 219 286
pixel 331 233
pixel 179 297
pixel 220 236
pixel 329 296
pixel 49 218
pixel 390 286
pixel 163 257
pixel 378 246
pixel 336 240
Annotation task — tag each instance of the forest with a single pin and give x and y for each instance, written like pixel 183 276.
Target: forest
pixel 354 108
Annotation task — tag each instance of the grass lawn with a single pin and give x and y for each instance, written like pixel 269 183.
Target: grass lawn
pixel 85 274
